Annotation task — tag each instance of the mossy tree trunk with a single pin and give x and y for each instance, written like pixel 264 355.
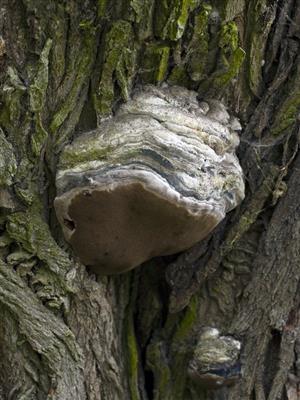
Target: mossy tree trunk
pixel 65 334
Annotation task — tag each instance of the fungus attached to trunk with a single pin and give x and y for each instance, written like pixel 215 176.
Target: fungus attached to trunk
pixel 153 180
pixel 215 362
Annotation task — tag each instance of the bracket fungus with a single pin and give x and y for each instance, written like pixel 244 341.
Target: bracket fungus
pixel 215 362
pixel 151 181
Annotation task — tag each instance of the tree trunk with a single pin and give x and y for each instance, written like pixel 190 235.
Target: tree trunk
pixel 67 334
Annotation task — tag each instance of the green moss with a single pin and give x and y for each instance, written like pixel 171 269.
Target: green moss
pixel 39 137
pixel 171 18
pixel 57 54
pixel 231 59
pixel 288 112
pixel 12 96
pixel 18 256
pixel 155 63
pixel 138 8
pixel 178 26
pixel 287 116
pixel 131 342
pixel 232 56
pixel 158 363
pixel 258 30
pixel 92 152
pixel 234 64
pixel 198 46
pixel 102 4
pixel 37 98
pixel 88 25
pixel 81 75
pixel 51 289
pixel 32 232
pixel 26 195
pixel 186 324
pixel 70 159
pixel 256 56
pixel 229 38
pixel 51 281
pixel 118 66
pixel 181 351
pixel 133 359
pixel 5 240
pixel 163 65
pixel 37 90
pixel 179 76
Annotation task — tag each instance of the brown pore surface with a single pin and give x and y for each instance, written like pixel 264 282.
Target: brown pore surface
pixel 116 230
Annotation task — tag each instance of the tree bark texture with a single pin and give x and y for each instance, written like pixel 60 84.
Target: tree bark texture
pixel 66 334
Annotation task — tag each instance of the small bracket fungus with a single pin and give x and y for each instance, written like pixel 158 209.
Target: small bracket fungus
pixel 215 362
pixel 153 180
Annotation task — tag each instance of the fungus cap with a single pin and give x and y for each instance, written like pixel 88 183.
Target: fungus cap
pixel 153 180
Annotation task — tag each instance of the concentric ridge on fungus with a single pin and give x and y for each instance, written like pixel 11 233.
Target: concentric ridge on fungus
pixel 153 180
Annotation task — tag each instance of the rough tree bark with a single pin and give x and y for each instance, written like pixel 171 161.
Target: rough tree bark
pixel 65 334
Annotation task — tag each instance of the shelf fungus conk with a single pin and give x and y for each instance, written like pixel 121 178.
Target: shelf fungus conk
pixel 151 181
pixel 215 362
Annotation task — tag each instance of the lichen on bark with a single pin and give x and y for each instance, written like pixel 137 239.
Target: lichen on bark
pixel 117 68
